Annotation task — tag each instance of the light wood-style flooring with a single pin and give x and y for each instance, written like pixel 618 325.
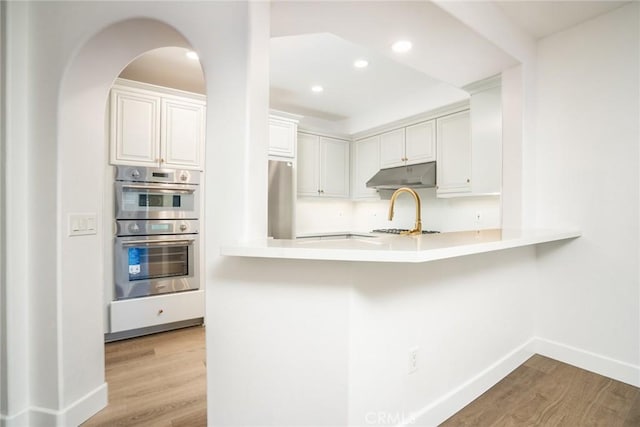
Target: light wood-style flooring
pixel 156 380
pixel 160 380
pixel 545 392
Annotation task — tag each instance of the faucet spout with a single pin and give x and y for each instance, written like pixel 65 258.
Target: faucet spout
pixel 417 229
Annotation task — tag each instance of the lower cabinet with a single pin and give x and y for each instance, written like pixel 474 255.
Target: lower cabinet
pixel 139 313
pixel 323 166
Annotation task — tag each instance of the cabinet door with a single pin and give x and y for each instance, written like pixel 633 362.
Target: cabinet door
pixel 135 128
pixel 420 143
pixel 308 165
pixel 454 153
pixel 182 133
pixel 366 163
pixel 486 128
pixel 282 138
pixel 334 167
pixel 392 149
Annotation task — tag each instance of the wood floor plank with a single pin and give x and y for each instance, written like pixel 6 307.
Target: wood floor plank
pixel 545 392
pixel 158 380
pixel 633 416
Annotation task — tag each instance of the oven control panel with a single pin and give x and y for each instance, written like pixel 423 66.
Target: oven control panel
pixel 157 175
pixel 152 227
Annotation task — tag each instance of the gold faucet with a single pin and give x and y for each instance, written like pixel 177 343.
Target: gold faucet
pixel 418 227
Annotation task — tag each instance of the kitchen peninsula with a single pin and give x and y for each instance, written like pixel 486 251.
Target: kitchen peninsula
pixel 403 249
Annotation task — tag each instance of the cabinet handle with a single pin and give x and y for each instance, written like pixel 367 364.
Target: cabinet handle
pixel 160 312
pixel 468 180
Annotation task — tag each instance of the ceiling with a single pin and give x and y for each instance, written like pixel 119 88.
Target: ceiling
pixel 299 62
pixel 543 18
pixel 316 42
pixel 169 67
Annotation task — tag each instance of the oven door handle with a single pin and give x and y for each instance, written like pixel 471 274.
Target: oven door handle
pixel 159 189
pixel 158 242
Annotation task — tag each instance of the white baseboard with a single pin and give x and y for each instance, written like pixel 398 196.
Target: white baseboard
pixel 85 407
pixel 438 411
pixel 17 420
pixel 612 368
pixel 74 415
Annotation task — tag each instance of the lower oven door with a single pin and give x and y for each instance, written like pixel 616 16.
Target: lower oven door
pixel 151 265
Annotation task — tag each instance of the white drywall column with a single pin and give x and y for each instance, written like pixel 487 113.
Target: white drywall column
pixel 257 121
pixel 13 297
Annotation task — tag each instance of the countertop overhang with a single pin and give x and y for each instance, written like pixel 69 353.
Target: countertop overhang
pixel 375 247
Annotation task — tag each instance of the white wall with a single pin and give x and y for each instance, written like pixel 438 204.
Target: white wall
pixel 588 161
pixel 465 316
pixel 303 342
pixel 14 297
pixel 277 349
pixel 59 89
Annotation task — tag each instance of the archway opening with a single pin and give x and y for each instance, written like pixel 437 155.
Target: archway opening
pixel 83 182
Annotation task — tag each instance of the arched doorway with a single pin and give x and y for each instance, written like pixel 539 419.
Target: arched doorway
pixel 81 163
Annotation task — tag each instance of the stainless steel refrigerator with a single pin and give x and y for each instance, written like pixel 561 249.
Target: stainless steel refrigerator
pixel 282 198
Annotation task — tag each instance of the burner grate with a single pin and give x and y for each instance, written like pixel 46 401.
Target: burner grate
pixel 400 230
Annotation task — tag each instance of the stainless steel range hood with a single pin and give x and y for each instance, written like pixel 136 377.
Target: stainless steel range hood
pixel 386 181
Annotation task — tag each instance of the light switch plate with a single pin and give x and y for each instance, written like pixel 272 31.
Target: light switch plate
pixel 82 224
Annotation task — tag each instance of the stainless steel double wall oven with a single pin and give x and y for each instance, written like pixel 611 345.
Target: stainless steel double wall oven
pixel 157 231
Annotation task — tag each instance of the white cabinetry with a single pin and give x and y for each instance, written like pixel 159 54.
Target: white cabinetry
pixel 409 145
pixel 323 166
pixel 156 310
pixel 420 143
pixel 469 145
pixel 392 149
pixel 282 136
pixel 454 153
pixel 155 126
pixel 366 162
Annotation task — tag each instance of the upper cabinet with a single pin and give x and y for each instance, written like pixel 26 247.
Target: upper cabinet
pixel 409 145
pixel 366 162
pixel 469 145
pixel 283 130
pixel 155 126
pixel 454 153
pixel 323 166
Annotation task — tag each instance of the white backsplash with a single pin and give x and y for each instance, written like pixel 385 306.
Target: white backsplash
pixel 316 215
pixel 450 214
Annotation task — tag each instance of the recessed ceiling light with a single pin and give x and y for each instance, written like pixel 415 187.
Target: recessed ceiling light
pixel 361 63
pixel 317 88
pixel 192 55
pixel 402 46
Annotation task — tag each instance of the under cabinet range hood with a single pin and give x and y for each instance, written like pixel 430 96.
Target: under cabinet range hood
pixel 386 181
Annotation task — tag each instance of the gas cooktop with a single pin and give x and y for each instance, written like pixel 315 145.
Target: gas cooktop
pixel 400 230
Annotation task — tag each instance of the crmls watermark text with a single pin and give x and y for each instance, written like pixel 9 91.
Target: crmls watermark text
pixel 385 418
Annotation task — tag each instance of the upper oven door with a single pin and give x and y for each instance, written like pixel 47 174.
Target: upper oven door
pixel 136 200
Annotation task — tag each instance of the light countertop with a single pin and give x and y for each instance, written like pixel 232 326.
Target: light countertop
pixel 379 247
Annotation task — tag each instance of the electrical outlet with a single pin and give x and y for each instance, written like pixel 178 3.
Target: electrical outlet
pixel 413 360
